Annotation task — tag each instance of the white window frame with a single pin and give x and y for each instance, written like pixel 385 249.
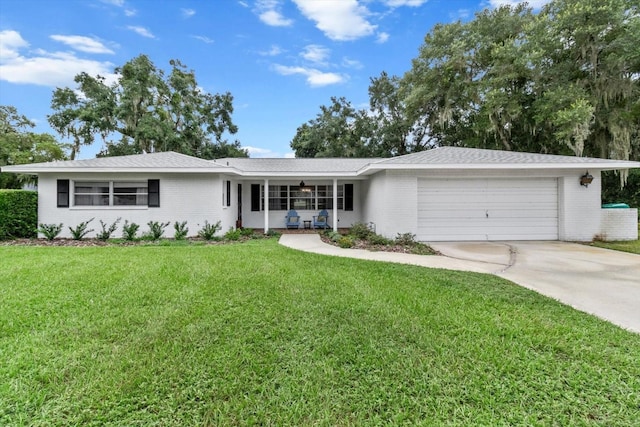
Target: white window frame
pixel 111 194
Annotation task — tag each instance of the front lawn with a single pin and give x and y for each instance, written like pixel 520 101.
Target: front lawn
pixel 632 246
pixel 260 334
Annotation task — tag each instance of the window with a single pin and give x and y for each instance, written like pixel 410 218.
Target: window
pixel 278 198
pixel 91 193
pixel 130 194
pixel 110 193
pixel 309 197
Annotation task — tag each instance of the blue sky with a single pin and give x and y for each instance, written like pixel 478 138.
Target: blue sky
pixel 280 59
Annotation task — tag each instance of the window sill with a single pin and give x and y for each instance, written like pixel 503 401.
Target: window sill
pixel 108 208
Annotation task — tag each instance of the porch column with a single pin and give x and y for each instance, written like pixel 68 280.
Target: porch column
pixel 266 205
pixel 335 204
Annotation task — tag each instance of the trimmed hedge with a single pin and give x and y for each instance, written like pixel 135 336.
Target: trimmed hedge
pixel 18 214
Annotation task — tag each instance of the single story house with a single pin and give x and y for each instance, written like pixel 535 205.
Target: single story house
pixel 444 194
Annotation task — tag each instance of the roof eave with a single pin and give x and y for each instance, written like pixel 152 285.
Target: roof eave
pixel 373 168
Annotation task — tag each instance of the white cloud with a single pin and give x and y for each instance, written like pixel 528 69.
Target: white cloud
pixel 536 4
pixel 338 20
pixel 382 37
pixel 410 3
pixel 275 50
pixel 316 54
pixel 257 152
pixel 275 19
pixel 141 31
pixel 10 44
pixel 187 13
pixel 119 3
pixel 290 155
pixel 243 3
pixel 315 78
pixel 351 63
pixel 82 43
pixel 130 12
pixel 204 39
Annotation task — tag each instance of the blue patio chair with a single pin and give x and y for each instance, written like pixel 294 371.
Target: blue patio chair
pixel 321 220
pixel 292 219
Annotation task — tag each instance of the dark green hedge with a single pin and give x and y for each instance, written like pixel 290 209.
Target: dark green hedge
pixel 18 214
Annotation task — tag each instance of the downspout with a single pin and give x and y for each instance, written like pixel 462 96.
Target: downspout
pixel 266 205
pixel 335 204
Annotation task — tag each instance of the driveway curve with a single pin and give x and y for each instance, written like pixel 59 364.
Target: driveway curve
pixel 598 281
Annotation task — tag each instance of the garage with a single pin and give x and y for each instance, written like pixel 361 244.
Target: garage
pixel 487 209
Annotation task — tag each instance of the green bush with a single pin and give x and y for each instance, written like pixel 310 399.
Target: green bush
pixel 407 239
pixel 233 234
pixel 181 230
pixel 273 233
pixel 129 230
pixel 345 242
pixel 156 230
pixel 360 231
pixel 376 239
pixel 50 231
pixel 246 232
pixel 208 231
pixel 106 232
pixel 18 214
pixel 79 231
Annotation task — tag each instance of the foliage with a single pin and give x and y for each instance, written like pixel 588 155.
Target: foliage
pixel 156 229
pixel 50 231
pixel 273 233
pixel 339 130
pixel 233 234
pixel 360 230
pixel 18 214
pixel 246 232
pixel 613 193
pixel 79 231
pixel 181 230
pixel 208 231
pixel 129 230
pixel 200 335
pixel 106 232
pixel 345 242
pixel 407 239
pixel 559 82
pixel 149 111
pixel 19 146
pixel 377 239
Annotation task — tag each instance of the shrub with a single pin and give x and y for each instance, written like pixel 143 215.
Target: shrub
pixel 407 239
pixel 18 214
pixel 208 231
pixel 334 236
pixel 360 231
pixel 181 230
pixel 129 230
pixel 345 242
pixel 233 234
pixel 79 231
pixel 106 232
pixel 156 229
pixel 376 239
pixel 273 233
pixel 246 232
pixel 50 231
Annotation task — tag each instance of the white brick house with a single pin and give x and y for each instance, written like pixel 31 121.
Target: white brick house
pixel 442 194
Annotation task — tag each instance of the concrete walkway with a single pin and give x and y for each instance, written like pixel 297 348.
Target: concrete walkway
pixel 597 281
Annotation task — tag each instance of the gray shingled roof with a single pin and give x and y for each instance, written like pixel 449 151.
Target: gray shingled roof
pixel 164 160
pixel 467 156
pixel 301 165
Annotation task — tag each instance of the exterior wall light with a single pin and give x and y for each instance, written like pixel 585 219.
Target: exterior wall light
pixel 586 179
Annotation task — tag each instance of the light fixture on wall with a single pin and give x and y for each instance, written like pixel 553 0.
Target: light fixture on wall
pixel 586 179
pixel 301 184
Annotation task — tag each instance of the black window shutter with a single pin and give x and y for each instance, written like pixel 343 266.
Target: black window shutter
pixel 153 186
pixel 348 197
pixel 63 193
pixel 255 197
pixel 228 193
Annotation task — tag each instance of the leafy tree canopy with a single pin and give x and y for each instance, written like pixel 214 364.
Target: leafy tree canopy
pixel 148 110
pixel 20 146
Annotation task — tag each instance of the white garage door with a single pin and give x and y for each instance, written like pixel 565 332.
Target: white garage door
pixel 487 209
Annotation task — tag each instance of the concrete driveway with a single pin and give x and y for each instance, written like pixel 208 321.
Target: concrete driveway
pixel 598 281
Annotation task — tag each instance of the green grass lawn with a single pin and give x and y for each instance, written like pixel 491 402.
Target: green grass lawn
pixel 256 333
pixel 632 246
